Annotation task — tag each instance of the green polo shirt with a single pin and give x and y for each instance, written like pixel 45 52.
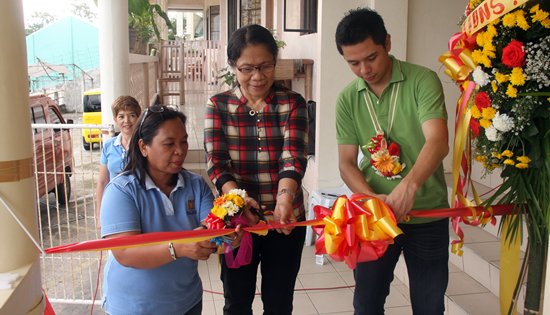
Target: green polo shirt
pixel 420 99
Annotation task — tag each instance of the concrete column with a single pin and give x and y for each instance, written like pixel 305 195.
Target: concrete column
pixel 18 255
pixel 114 64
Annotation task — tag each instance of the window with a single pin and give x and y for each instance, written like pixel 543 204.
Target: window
pixel 37 116
pixel 300 16
pixel 251 12
pixel 232 13
pixel 214 22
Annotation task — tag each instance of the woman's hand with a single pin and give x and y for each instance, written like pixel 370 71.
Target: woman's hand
pixel 249 213
pixel 284 213
pixel 196 251
pixel 236 237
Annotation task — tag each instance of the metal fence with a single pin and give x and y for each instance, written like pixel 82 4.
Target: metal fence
pixel 67 213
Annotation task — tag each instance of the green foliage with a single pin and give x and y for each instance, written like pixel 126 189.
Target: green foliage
pixel 81 9
pixel 227 77
pixel 40 20
pixel 142 17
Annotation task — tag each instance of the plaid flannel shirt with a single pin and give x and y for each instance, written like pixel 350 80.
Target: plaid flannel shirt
pixel 257 149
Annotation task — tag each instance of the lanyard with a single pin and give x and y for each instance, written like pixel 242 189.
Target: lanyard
pixel 391 115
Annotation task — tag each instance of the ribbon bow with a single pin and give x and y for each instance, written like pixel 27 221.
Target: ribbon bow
pixel 358 229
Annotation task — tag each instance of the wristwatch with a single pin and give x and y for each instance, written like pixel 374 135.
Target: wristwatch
pixel 172 251
pixel 286 191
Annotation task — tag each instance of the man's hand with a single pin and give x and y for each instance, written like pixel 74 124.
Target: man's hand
pixel 401 200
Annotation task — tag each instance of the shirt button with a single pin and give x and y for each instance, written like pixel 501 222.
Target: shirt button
pixel 259 138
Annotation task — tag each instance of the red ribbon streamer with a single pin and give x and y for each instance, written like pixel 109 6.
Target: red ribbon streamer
pixel 194 235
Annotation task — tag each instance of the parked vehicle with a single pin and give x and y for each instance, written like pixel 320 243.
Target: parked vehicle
pixel 53 149
pixel 91 115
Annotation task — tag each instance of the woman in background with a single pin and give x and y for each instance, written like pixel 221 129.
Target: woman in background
pixel 126 111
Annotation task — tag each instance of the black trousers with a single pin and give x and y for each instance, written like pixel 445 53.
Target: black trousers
pixel 278 256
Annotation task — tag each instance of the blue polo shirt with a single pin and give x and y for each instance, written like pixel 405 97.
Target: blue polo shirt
pixel 126 206
pixel 113 155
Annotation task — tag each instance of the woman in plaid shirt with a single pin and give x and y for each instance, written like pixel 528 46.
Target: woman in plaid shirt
pixel 256 139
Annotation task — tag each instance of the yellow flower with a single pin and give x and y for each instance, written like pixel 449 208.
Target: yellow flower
pixel 489 50
pixel 539 15
pixel 486 61
pixel 220 212
pixel 522 165
pixel 509 20
pixel 492 30
pixel 477 55
pixel 475 112
pixel 481 158
pixel 509 162
pixel 524 159
pixel 485 123
pixel 494 86
pixel 488 113
pixel 496 155
pixel 238 201
pixel 534 8
pixel 521 21
pixel 507 153
pixel 397 168
pixel 517 77
pixel 545 23
pixel 501 78
pixel 480 39
pixel 511 91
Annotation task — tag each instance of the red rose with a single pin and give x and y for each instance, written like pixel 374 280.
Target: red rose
pixel 393 149
pixel 474 126
pixel 482 100
pixel 513 55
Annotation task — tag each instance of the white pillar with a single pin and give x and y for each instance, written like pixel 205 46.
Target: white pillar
pixel 18 255
pixel 114 63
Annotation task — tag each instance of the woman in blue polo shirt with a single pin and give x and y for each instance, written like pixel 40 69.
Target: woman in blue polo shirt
pixel 155 194
pixel 126 111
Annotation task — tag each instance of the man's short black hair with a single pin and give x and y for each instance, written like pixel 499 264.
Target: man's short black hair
pixel 358 25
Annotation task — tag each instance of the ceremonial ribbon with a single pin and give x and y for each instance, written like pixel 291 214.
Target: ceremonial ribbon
pixel 356 230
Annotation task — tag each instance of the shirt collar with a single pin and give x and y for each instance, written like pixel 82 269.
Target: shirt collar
pixel 397 75
pixel 242 99
pixel 118 140
pixel 149 184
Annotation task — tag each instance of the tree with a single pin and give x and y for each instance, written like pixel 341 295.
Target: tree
pixel 39 20
pixel 81 9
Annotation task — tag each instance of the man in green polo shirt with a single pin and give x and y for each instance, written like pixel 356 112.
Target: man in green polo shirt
pixel 394 112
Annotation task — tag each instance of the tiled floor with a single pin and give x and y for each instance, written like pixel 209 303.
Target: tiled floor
pixel 320 289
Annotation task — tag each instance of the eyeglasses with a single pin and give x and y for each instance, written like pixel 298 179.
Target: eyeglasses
pixel 264 69
pixel 154 109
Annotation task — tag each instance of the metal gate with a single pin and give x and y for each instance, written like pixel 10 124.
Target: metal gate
pixel 66 213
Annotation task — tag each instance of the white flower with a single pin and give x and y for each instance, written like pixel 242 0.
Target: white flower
pixel 231 208
pixel 480 78
pixel 238 192
pixel 503 122
pixel 492 134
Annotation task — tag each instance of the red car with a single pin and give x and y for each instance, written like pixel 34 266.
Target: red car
pixel 53 149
